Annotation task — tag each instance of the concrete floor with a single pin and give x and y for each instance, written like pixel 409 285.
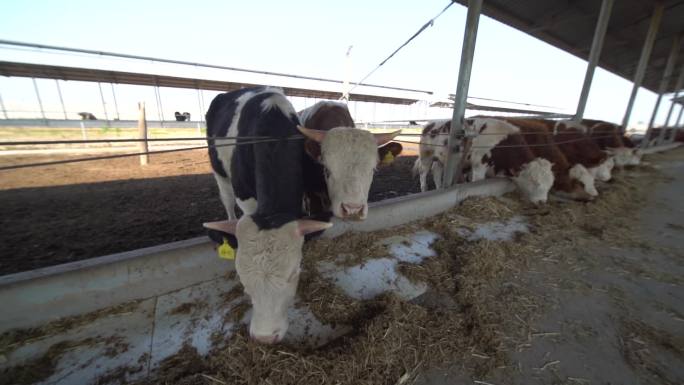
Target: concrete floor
pixel 627 324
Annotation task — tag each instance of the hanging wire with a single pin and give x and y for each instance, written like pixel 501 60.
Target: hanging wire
pixel 138 140
pixel 512 146
pixel 115 156
pixel 430 23
pixel 90 141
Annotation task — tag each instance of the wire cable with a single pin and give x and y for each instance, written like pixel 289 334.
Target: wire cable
pixel 430 23
pixel 115 156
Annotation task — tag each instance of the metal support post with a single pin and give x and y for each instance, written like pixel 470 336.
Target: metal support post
pixel 116 105
pixel 160 113
pixel 678 87
pixel 142 131
pixel 84 133
pixel 643 60
pixel 677 126
pixel 4 110
pixel 40 102
pixel 61 100
pixel 662 88
pixel 104 105
pixel 453 163
pixel 594 55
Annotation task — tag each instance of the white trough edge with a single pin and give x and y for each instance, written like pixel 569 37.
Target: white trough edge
pixel 661 148
pixel 35 297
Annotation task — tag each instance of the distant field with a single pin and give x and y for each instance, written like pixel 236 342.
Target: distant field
pixel 56 133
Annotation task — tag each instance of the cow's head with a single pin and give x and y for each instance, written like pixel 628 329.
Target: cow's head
pixel 268 265
pixel 349 157
pixel 535 180
pixel 603 172
pixel 585 179
pixel 625 156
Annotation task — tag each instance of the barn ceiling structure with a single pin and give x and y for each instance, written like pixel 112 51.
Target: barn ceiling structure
pixel 639 40
pixel 570 24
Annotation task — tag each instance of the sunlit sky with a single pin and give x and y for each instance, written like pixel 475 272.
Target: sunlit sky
pixel 303 37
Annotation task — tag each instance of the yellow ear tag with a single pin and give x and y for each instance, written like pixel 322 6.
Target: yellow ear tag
pixel 389 158
pixel 225 251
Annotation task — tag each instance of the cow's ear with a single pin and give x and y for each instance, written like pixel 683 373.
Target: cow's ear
pixel 315 135
pixel 222 226
pixel 388 152
pixel 313 149
pixel 308 226
pixel 381 139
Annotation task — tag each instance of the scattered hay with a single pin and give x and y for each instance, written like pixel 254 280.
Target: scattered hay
pixel 188 307
pixel 42 367
pixel 392 340
pixel 14 339
pixel 637 342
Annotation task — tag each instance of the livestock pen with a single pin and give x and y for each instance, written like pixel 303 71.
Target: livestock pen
pixel 108 277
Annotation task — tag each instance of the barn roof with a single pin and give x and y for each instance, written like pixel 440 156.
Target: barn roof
pixel 121 77
pixel 569 25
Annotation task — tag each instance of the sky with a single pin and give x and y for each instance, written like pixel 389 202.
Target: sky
pixel 303 37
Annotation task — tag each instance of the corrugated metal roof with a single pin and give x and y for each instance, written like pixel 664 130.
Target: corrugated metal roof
pixel 107 76
pixel 570 24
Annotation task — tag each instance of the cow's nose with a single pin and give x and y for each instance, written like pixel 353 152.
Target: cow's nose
pixel 268 339
pixel 349 209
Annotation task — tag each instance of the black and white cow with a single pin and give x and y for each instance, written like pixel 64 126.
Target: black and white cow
pixel 268 180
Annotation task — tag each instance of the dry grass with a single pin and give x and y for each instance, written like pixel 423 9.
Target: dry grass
pixel 489 311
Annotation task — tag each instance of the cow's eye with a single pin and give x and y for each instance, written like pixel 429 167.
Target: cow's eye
pixel 326 172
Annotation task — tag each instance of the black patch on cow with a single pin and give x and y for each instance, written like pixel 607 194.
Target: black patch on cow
pixel 446 127
pixel 484 126
pixel 269 172
pixel 219 116
pixel 428 127
pixel 218 236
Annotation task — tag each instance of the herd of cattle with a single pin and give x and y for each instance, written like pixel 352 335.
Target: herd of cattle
pixel 538 155
pixel 288 188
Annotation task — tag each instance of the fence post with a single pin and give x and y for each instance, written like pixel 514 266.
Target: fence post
pixel 142 130
pixel 84 134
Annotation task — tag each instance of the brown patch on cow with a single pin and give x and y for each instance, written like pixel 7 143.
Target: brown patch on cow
pixel 605 135
pixel 312 148
pixel 509 155
pixel 540 141
pixel 328 117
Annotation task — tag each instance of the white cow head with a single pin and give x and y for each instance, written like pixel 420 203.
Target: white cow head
pixel 603 172
pixel 535 180
pixel 349 157
pixel 625 156
pixel 268 265
pixel 581 174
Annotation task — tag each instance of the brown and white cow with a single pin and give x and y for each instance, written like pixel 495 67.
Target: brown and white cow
pixel 609 138
pixel 499 149
pixel 571 180
pixel 578 148
pixel 346 158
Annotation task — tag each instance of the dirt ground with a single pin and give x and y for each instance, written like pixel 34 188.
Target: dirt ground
pixel 63 213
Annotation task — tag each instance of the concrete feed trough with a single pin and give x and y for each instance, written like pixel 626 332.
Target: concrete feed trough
pixel 118 317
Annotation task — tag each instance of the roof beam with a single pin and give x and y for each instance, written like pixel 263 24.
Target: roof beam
pixel 643 59
pixel 454 166
pixel 664 82
pixel 594 55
